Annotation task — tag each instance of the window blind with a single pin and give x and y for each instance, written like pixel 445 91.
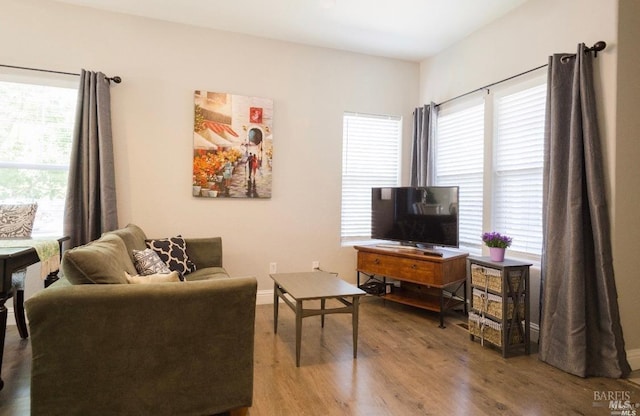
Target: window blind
pixel 517 167
pixel 459 155
pixel 370 158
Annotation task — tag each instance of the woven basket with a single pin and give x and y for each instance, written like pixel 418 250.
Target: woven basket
pixel 490 331
pixel 486 277
pixel 492 304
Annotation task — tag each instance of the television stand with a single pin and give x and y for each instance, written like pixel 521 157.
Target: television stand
pixel 431 282
pixel 425 251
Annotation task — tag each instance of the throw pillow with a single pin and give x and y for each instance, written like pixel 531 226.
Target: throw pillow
pixel 16 220
pixel 148 262
pixel 100 261
pixel 153 278
pixel 173 251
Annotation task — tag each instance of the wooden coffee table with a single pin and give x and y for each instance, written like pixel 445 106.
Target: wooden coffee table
pixel 302 287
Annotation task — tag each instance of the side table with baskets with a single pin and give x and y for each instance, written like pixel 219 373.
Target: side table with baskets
pixel 499 304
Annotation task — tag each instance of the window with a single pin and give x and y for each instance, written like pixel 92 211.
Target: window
pixel 492 147
pixel 36 125
pixel 370 158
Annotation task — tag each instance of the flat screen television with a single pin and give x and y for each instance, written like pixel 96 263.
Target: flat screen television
pixel 417 216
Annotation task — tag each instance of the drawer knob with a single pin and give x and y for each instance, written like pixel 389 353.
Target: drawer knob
pixel 414 266
pixel 376 261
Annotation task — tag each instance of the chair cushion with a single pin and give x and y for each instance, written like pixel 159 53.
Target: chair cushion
pixel 101 261
pixel 16 220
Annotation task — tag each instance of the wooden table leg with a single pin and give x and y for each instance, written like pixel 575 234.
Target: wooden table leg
pixel 354 318
pixel 3 332
pixel 298 330
pixel 18 311
pixel 322 303
pixel 275 308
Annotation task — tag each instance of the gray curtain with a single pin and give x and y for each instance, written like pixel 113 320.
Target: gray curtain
pixel 580 329
pixel 424 126
pixel 90 207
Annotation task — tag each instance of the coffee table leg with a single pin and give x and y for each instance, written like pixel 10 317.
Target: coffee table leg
pixel 298 330
pixel 322 303
pixel 275 308
pixel 356 302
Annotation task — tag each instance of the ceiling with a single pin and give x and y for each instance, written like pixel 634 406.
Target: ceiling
pixel 404 29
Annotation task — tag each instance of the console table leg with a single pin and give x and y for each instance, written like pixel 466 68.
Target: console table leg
pixel 441 309
pixel 322 303
pixel 3 332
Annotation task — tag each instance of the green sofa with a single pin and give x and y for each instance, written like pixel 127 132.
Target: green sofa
pixel 179 348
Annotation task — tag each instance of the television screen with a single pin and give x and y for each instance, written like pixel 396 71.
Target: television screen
pixel 422 216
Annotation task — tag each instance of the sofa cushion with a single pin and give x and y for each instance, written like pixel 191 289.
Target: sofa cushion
pixel 173 252
pixel 133 236
pixel 101 261
pixel 148 262
pixel 16 220
pixel 153 278
pixel 207 273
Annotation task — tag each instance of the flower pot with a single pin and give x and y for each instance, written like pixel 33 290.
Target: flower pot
pixel 213 194
pixel 497 253
pixel 196 190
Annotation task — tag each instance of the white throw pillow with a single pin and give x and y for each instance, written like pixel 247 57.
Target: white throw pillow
pixel 153 278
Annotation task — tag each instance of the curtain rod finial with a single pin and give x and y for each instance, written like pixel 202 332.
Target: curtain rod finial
pixel 599 46
pixel 115 79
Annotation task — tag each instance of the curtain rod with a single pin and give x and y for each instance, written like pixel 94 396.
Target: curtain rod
pixel 597 47
pixel 115 79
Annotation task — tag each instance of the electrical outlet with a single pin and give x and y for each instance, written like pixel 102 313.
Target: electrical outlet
pixel 273 267
pixel 315 265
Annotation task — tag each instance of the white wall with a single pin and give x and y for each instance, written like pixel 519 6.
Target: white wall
pixel 627 177
pixel 523 40
pixel 152 113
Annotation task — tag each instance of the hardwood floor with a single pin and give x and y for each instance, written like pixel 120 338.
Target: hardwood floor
pixel 406 365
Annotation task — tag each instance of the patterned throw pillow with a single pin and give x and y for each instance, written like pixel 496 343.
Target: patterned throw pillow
pixel 173 252
pixel 148 262
pixel 16 220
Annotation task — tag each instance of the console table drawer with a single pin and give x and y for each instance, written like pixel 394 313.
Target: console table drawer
pixel 423 272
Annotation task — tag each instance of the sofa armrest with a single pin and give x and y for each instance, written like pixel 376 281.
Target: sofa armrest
pixel 169 348
pixel 205 252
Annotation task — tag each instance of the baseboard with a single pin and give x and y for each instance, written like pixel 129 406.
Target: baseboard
pixel 264 297
pixel 11 318
pixel 534 332
pixel 633 357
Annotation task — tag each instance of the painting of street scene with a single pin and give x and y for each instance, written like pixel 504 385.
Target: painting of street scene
pixel 232 146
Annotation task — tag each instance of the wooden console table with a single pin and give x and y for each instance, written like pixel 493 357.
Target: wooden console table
pixel 426 281
pixel 12 259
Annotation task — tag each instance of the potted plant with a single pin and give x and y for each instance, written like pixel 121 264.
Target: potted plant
pixel 497 244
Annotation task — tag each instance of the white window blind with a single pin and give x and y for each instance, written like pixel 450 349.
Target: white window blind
pixel 517 167
pixel 459 156
pixel 494 152
pixel 370 158
pixel 36 125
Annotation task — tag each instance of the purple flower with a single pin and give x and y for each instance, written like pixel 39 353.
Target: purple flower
pixel 494 239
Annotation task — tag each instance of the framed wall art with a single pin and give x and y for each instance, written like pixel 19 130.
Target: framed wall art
pixel 232 146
